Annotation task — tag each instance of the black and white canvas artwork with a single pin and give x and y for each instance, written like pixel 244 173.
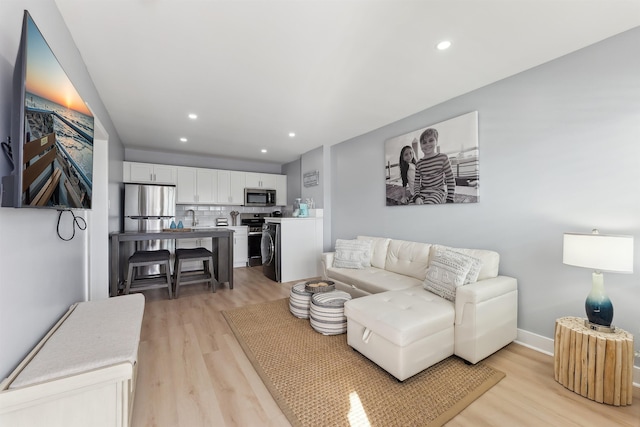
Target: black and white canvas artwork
pixel 434 165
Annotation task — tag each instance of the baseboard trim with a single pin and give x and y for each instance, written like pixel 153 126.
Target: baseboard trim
pixel 545 345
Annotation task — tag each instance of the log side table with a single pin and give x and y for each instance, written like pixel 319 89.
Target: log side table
pixel 596 365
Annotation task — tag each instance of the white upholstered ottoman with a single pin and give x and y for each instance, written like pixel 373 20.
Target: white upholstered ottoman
pixel 403 332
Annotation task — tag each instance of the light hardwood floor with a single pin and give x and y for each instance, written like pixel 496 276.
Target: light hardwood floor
pixel 193 373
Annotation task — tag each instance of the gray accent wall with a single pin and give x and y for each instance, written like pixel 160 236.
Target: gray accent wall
pixel 41 275
pixel 559 152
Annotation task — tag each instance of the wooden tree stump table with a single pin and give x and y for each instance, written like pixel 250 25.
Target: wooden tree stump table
pixel 596 365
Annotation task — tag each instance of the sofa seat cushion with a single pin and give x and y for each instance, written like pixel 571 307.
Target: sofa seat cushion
pixel 372 280
pixel 402 317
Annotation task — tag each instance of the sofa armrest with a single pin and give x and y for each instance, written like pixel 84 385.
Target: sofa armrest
pixel 327 261
pixel 481 291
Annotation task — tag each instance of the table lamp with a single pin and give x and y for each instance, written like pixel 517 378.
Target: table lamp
pixel 601 252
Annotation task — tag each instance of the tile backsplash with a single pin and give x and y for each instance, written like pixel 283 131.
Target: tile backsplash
pixel 207 214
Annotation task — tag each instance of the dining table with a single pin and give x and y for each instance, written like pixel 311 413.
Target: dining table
pixel 221 243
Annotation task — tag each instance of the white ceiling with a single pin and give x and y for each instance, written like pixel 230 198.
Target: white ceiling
pixel 254 71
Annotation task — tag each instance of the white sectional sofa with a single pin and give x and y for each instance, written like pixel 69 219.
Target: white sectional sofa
pixel 400 314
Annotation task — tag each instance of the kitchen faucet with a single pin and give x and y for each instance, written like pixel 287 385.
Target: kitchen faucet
pixel 194 221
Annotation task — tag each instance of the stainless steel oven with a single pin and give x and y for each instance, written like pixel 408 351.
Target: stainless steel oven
pixel 254 237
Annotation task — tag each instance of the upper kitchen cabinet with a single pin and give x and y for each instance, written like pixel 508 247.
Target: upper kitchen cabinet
pixel 148 173
pixel 196 185
pixel 281 190
pixel 231 187
pixel 260 180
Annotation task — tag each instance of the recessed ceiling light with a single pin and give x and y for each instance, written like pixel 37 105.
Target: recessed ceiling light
pixel 183 139
pixel 292 134
pixel 443 45
pixel 193 116
pixel 264 150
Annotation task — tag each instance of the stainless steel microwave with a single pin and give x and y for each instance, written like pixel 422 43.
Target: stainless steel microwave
pixel 259 197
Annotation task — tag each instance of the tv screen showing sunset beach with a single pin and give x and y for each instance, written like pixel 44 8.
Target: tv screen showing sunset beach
pixel 59 127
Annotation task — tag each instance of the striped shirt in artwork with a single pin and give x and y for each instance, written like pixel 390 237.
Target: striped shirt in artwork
pixel 433 174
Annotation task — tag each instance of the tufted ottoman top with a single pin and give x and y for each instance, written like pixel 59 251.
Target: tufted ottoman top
pixel 402 317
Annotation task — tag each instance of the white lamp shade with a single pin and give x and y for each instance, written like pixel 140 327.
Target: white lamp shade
pixel 600 252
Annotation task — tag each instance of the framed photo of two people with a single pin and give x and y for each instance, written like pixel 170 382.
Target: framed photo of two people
pixel 436 164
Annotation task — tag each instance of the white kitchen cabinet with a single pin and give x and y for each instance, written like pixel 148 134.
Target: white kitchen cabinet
pixel 196 185
pixel 237 188
pixel 260 180
pixel 186 185
pixel 230 187
pixel 207 185
pixel 146 173
pixel 281 190
pixel 240 246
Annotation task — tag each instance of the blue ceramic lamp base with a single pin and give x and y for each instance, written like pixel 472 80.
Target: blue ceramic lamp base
pixel 598 307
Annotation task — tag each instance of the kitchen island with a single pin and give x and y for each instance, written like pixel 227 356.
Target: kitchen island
pixel 221 242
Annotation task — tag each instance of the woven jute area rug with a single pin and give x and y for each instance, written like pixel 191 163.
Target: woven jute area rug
pixel 319 380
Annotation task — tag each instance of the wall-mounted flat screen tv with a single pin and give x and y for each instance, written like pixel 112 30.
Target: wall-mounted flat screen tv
pixel 51 132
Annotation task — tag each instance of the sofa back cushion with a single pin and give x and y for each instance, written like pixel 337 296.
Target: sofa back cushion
pixel 490 259
pixel 379 247
pixel 408 258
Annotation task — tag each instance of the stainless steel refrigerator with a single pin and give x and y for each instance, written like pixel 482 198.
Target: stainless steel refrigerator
pixel 149 207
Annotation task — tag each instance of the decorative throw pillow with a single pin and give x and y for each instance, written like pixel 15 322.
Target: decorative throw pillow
pixel 352 254
pixel 476 266
pixel 447 271
pixel 474 271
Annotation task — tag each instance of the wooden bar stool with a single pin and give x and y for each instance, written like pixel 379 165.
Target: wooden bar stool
pixel 207 273
pixel 146 258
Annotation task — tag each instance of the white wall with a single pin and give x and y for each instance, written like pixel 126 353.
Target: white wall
pixel 41 275
pixel 559 151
